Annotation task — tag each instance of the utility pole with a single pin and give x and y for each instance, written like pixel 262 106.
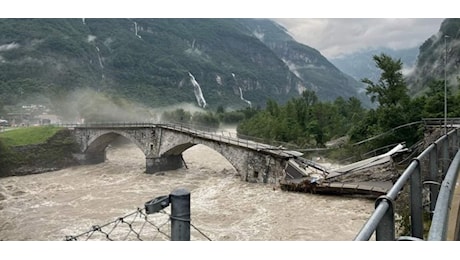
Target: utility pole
pixel 445 83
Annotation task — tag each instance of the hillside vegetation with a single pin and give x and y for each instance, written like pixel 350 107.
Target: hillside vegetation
pixel 438 59
pixel 234 63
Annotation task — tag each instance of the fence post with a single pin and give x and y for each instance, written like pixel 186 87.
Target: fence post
pixel 180 215
pixel 416 202
pixel 434 189
pixel 445 156
pixel 385 230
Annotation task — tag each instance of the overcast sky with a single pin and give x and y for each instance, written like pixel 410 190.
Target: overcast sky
pixel 333 37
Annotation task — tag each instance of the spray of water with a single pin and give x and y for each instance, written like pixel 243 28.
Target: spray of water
pixel 85 105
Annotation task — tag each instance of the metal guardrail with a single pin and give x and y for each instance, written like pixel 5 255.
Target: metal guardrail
pixel 439 223
pixel 442 121
pixel 437 156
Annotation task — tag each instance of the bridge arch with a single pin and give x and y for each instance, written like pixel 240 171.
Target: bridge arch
pixel 179 149
pixel 94 141
pixel 98 143
pixel 250 165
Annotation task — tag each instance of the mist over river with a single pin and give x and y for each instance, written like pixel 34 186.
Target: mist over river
pixel 50 206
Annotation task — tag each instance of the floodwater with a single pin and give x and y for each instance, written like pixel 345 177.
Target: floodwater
pixel 53 205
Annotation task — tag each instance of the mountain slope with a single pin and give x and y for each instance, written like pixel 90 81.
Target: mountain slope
pixel 431 60
pixel 158 62
pixel 306 63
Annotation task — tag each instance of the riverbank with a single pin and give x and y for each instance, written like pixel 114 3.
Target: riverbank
pixel 25 157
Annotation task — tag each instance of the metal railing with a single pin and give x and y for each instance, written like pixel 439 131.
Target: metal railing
pixel 435 159
pixel 440 222
pixel 441 121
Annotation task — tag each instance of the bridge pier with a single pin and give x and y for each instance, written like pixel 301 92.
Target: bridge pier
pixel 164 163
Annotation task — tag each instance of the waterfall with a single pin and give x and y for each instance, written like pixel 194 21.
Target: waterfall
pixel 135 30
pixel 241 93
pixel 197 90
pixel 242 98
pixel 92 40
pixel 100 59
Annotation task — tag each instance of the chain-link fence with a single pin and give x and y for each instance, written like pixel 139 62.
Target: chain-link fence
pixel 149 223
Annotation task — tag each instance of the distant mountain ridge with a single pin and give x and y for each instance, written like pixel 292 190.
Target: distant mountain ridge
pixel 421 65
pixel 307 63
pixel 361 65
pixel 157 62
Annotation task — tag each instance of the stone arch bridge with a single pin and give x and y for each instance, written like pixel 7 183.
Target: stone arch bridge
pixel 163 145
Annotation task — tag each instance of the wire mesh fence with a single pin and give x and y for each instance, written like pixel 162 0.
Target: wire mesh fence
pixel 151 223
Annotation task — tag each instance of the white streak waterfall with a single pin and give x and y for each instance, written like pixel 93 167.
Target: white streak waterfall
pixel 242 98
pixel 136 30
pixel 100 59
pixel 197 90
pixel 241 93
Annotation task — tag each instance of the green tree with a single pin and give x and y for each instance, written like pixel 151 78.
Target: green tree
pixel 273 108
pixel 310 97
pixel 434 99
pixel 220 109
pixel 394 106
pixel 390 90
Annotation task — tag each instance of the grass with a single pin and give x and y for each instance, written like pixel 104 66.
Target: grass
pixel 28 135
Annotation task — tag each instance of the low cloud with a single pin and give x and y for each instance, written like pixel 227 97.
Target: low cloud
pixel 88 105
pixel 338 36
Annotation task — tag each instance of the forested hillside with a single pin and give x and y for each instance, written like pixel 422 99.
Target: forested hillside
pixel 439 58
pixel 159 62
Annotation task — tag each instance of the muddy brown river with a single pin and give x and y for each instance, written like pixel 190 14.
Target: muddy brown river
pixel 53 205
